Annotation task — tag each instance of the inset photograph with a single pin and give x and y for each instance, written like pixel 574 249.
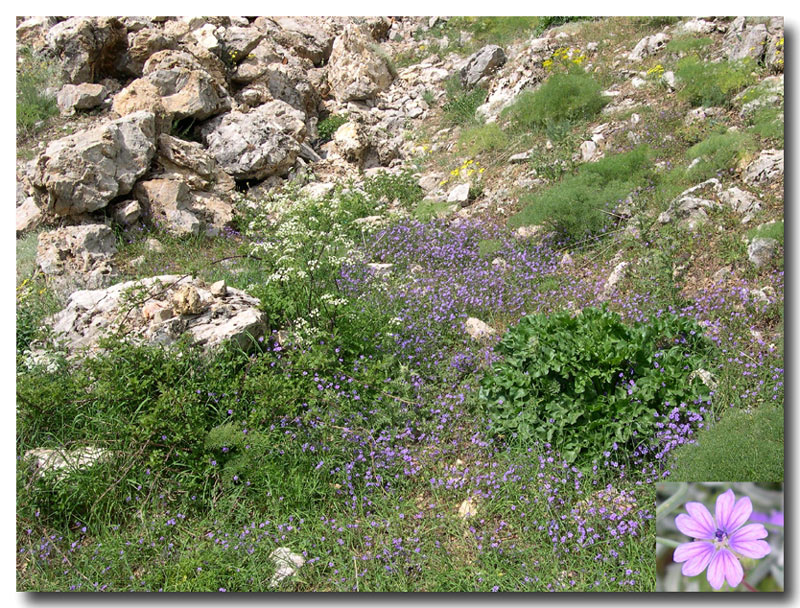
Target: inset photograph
pixel 719 537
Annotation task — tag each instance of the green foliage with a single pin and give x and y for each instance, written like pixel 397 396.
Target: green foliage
pixel 328 125
pixel 773 230
pixel 581 204
pixel 426 210
pixel 585 382
pixel 34 303
pixel 483 138
pixel 459 109
pixel 768 124
pixel 683 45
pixel 719 152
pixel 562 99
pixel 742 446
pixel 34 75
pixel 712 84
pixel 401 187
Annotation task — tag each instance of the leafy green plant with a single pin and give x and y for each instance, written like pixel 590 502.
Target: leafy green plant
pixel 328 125
pixel 581 204
pixel 35 74
pixel 742 446
pixel 401 187
pixel 688 44
pixel 712 84
pixel 768 124
pixel 563 98
pixel 585 382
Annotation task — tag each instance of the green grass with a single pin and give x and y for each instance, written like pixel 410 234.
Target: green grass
pixel 688 44
pixel 483 138
pixel 773 230
pixel 742 446
pixel 460 105
pixel 328 125
pixel 34 75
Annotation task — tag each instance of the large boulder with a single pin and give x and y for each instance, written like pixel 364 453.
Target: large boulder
pixel 253 145
pixel 145 43
pixel 189 161
pixel 33 31
pixel 649 45
pixel 159 310
pixel 84 171
pixel 90 48
pixel 765 168
pixel 355 71
pixel 744 41
pixel 175 86
pixel 84 96
pixel 74 249
pixel 761 250
pixel 306 37
pixel 482 64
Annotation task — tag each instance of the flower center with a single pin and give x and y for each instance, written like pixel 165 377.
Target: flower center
pixel 719 535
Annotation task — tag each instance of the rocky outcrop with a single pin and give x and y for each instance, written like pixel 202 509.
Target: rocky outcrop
pixel 78 250
pixel 82 172
pixel 765 168
pixel 649 45
pixel 175 86
pixel 355 71
pixel 761 250
pixel 689 208
pixel 482 65
pixel 90 48
pixel 85 96
pixel 158 310
pixel 744 41
pixel 253 145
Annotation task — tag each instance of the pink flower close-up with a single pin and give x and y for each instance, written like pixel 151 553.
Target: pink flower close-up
pixel 721 540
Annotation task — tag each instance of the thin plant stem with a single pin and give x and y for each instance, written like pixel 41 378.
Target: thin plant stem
pixel 667 542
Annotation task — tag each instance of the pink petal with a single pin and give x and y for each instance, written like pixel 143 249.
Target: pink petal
pixel 698 524
pixel 732 513
pixel 700 514
pixel 696 555
pixel 745 541
pixel 724 565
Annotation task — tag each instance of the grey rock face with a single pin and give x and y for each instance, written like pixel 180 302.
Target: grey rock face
pixel 89 48
pixel 82 172
pixel 83 96
pixel 761 250
pixel 74 248
pixel 765 168
pixel 252 145
pixel 355 70
pixel 146 311
pixel 649 45
pixel 482 64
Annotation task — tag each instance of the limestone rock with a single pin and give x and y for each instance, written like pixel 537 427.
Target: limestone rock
pixel 127 213
pixel 459 194
pixel 467 508
pixel 761 250
pixel 89 48
pixel 145 43
pixel 91 314
pixel 286 563
pixel 28 215
pixel 189 162
pixel 82 96
pixel 59 463
pixel 619 272
pixel 33 31
pixel 174 85
pixel 84 171
pixel 649 45
pixel 765 168
pixel 186 301
pixel 74 248
pixel 743 40
pixel 742 202
pixel 252 145
pixel 482 64
pixel 351 142
pixel 355 70
pixel 477 329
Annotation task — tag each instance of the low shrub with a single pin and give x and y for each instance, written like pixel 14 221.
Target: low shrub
pixel 768 124
pixel 712 84
pixel 328 125
pixel 586 382
pixel 773 230
pixel 719 152
pixel 581 205
pixel 483 138
pixel 563 98
pixel 683 45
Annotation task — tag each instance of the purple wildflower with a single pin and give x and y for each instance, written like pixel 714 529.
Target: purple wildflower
pixel 719 541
